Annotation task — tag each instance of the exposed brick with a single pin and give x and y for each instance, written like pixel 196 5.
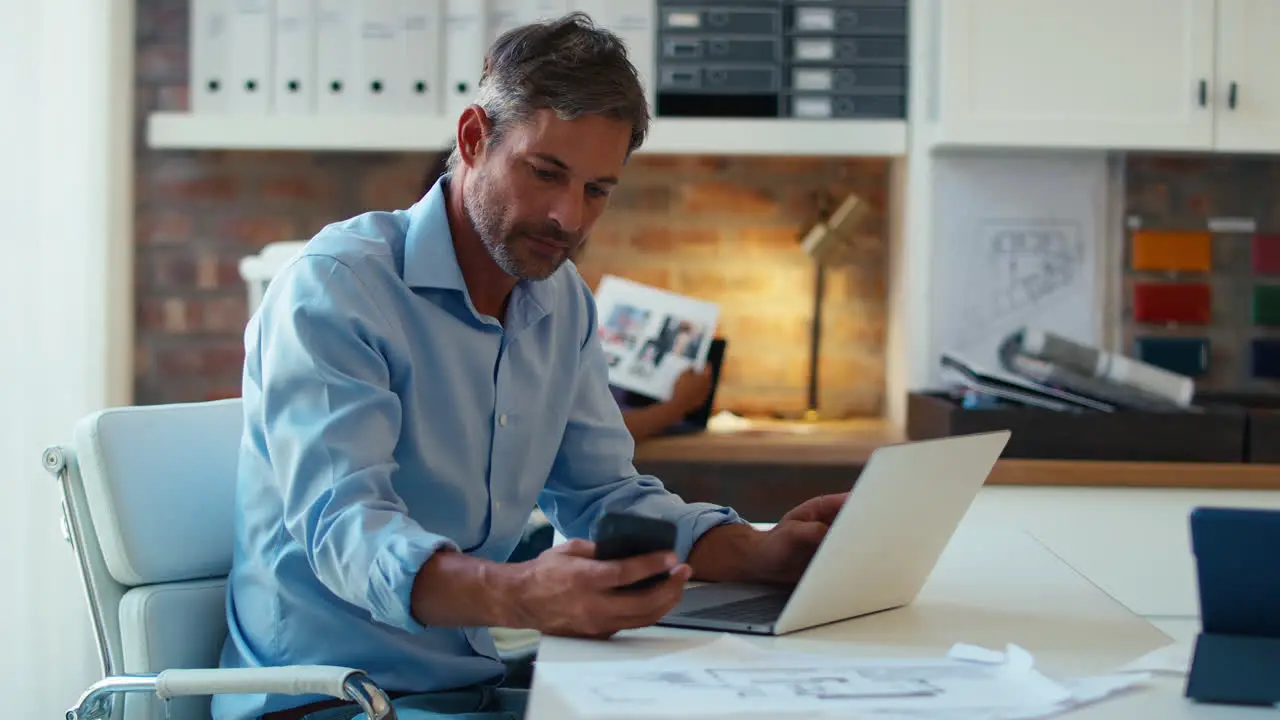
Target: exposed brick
pixel 162 63
pixel 181 361
pixel 853 328
pixel 223 315
pixel 679 163
pixel 170 315
pixel 659 239
pixel 173 270
pixel 178 178
pixel 161 22
pixel 838 370
pixel 225 361
pixel 213 272
pixel 659 277
pixel 163 228
pixel 766 240
pixel 312 188
pixel 222 393
pixel 716 197
pixel 745 328
pixel 172 98
pixel 724 280
pixel 1150 199
pixel 782 368
pixel 258 231
pixel 633 196
pixel 607 235
pixel 393 185
pixel 770 165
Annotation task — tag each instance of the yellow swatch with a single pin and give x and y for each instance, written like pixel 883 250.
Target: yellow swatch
pixel 1172 251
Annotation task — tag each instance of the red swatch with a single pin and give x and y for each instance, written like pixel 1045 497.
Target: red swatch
pixel 1266 254
pixel 1189 303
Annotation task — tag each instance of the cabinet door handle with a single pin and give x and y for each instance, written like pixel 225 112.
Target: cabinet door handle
pixel 1204 93
pixel 1231 96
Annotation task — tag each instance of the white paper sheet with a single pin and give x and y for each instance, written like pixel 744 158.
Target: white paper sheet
pixel 731 677
pixel 1172 659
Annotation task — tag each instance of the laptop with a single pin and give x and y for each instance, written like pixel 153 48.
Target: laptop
pixel 1237 575
pixel 902 512
pixel 697 419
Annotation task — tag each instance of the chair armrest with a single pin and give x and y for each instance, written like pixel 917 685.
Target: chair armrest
pixel 338 682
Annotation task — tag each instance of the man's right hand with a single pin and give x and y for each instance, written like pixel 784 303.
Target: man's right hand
pixel 566 591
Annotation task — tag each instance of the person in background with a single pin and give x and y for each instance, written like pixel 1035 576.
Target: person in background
pixel 691 390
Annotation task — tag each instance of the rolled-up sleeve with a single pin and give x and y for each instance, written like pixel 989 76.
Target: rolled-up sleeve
pixel 594 471
pixel 330 423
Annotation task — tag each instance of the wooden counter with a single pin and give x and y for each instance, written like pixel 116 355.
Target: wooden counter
pixel 777 464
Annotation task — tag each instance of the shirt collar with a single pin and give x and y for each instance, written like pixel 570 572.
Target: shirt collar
pixel 430 260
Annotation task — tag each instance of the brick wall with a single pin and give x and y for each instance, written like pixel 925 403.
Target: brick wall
pixel 722 229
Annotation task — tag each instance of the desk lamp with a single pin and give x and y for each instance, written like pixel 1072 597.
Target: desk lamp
pixel 825 243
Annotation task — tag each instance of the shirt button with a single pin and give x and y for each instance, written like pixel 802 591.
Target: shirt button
pixel 502 419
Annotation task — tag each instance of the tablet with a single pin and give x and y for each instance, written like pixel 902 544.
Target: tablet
pixel 1237 560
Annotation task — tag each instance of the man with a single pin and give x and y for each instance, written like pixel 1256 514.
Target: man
pixel 415 381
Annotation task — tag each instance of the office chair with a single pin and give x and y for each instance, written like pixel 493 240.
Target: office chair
pixel 147 505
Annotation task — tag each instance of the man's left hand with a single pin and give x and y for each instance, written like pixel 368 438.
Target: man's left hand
pixel 785 550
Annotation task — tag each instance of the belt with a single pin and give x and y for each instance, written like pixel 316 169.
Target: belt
pixel 302 711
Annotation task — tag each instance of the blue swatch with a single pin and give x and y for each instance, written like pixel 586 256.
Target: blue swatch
pixel 1183 355
pixel 1266 358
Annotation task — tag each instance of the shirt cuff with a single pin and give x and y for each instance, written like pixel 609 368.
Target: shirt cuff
pixel 695 527
pixel 391 578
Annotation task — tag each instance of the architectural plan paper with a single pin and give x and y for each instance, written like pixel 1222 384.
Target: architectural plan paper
pixel 731 677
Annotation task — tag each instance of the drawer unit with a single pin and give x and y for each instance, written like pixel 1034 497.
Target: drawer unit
pixel 846 79
pixel 824 106
pixel 721 49
pixel 720 79
pixel 831 18
pixel 847 50
pixel 839 59
pixel 719 19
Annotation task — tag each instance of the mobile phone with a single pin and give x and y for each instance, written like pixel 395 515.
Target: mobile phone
pixel 623 535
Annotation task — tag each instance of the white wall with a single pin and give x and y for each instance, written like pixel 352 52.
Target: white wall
pixel 65 312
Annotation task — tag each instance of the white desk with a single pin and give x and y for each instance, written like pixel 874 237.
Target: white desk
pixel 991 587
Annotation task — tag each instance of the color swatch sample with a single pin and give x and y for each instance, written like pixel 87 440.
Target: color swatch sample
pixel 1184 355
pixel 1266 254
pixel 1161 303
pixel 1172 251
pixel 1266 305
pixel 1266 358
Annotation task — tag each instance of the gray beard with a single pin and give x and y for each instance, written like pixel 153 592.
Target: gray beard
pixel 489 228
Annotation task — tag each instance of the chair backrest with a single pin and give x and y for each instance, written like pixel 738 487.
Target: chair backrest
pixel 258 270
pixel 149 494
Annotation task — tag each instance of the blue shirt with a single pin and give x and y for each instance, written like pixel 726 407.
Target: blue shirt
pixel 384 419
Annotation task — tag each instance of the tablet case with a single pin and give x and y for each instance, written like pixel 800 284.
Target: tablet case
pixel 1237 653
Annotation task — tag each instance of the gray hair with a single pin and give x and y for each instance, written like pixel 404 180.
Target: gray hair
pixel 569 66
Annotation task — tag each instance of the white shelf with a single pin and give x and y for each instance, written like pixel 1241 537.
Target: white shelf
pixel 679 136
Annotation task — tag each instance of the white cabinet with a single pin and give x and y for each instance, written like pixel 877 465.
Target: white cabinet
pixel 1248 76
pixel 1076 73
pixel 1121 74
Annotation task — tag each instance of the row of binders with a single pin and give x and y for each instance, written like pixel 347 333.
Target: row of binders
pixel 331 57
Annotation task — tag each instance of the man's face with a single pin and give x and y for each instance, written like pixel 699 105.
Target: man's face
pixel 534 196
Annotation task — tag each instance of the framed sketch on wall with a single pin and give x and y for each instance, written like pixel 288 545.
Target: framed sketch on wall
pixel 1021 240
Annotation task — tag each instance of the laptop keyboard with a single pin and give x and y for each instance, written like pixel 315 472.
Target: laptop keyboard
pixel 759 609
